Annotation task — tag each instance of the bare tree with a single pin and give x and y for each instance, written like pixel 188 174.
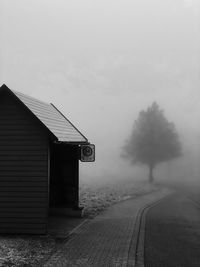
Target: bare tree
pixel 153 140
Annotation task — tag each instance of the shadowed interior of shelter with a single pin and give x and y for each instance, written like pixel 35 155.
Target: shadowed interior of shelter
pixel 64 173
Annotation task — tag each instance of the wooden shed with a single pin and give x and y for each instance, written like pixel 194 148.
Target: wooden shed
pixel 39 162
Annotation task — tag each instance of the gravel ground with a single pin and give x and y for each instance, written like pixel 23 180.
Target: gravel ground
pixel 25 251
pixel 32 251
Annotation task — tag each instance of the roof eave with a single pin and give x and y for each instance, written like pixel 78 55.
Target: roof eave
pixel 86 140
pixel 72 142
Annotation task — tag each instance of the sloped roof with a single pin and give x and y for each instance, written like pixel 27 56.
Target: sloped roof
pixel 53 119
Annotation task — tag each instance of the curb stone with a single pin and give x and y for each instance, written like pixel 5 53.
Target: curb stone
pixel 138 258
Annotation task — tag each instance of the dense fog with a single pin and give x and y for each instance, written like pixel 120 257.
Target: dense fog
pixel 103 61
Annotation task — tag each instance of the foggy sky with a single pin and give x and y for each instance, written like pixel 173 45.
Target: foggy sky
pixel 102 61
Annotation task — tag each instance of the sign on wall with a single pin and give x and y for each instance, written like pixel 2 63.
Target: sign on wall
pixel 87 153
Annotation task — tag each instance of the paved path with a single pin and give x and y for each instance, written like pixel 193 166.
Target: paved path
pixel 107 240
pixel 173 233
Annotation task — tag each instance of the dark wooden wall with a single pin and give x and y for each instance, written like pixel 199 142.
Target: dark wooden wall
pixel 23 170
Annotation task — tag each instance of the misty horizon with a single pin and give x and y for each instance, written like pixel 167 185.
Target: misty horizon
pixel 101 63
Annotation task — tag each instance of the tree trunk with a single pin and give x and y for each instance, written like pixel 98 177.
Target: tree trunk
pixel 151 178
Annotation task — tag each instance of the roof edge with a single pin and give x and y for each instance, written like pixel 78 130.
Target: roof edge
pixel 86 140
pixel 72 142
pixel 4 87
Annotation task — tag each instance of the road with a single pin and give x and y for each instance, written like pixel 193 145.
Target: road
pixel 159 229
pixel 108 240
pixel 172 236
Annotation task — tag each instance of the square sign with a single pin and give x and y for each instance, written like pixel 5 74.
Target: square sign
pixel 88 153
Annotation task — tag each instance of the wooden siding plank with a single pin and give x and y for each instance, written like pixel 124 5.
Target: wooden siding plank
pixel 13 174
pixel 18 168
pixel 22 194
pixel 23 183
pixel 23 231
pixel 24 220
pixel 23 129
pixel 23 180
pixel 23 142
pixel 24 204
pixel 22 225
pixel 23 210
pixel 19 158
pixel 31 148
pixel 19 196
pixel 30 153
pixel 17 137
pixel 23 163
pixel 22 188
pixel 21 199
pixel 22 215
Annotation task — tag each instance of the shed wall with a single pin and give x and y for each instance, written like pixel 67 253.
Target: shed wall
pixel 23 170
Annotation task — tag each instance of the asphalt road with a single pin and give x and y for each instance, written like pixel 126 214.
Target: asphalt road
pixel 172 236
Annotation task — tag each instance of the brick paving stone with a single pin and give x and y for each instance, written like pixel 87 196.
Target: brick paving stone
pixel 106 240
